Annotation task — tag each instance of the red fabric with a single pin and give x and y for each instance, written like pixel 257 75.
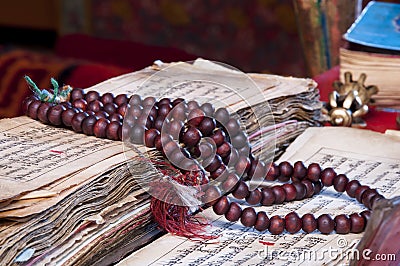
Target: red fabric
pixel 376 120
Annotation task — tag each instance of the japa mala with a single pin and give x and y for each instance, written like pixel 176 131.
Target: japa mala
pixel 197 145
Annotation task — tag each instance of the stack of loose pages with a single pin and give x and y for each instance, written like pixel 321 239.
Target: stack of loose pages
pixel 70 199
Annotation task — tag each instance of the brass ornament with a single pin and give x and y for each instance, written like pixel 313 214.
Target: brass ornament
pixel 349 101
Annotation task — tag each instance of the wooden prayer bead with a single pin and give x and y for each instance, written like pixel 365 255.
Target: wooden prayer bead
pixel 325 224
pixel 80 104
pixel 367 197
pixel 309 223
pixel 54 114
pixel 112 130
pixel 95 106
pixel 115 117
pixel 207 126
pixel 313 172
pixel 122 109
pixel 366 215
pixel 88 125
pixel 107 98
pixel 357 223
pixel 92 96
pixel 317 187
pixel 137 134
pixel 309 187
pixel 262 221
pixel 233 127
pixel 27 102
pixel 164 101
pixel 268 196
pixel 193 105
pixel 150 136
pixel 293 223
pixel 99 129
pixel 232 159
pixel 276 225
pixel 42 112
pixel 242 191
pixel 67 116
pixel 76 94
pixel 273 172
pixel 299 171
pixel 212 195
pixel 327 177
pixel 177 101
pixel 352 187
pixel 149 101
pixel 360 191
pixel 248 217
pixel 195 117
pixel 342 224
pixel 286 170
pixel 300 190
pixel 279 193
pixel 191 137
pixel 375 199
pixel 164 109
pixel 220 172
pixel 340 182
pixel 290 192
pixel 234 212
pixel 254 197
pixel 214 164
pixel 76 121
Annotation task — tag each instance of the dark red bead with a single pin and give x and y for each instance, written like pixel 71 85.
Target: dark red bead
pixel 366 215
pixel 325 224
pixel 178 113
pixel 77 120
pixel 122 99
pixel 342 224
pixel 367 197
pixel 54 114
pixel 150 136
pixel 273 173
pixel 80 103
pixel 230 182
pixel 248 217
pixel 27 102
pixel 293 223
pixel 214 164
pixel 99 129
pixel 286 169
pixel 218 137
pixel 357 223
pixel 242 165
pixel 149 101
pixel 122 109
pixel 222 116
pixel 164 101
pixel 208 109
pixel 224 150
pixel 352 187
pixel 164 109
pixel 360 191
pixel 327 177
pixel 112 130
pixel 92 96
pixel 76 94
pixel 262 221
pixel 101 114
pixel 107 98
pixel 317 187
pixel 221 206
pixel 313 172
pixel 276 225
pixel 279 193
pixel 195 117
pixel 254 197
pixel 221 172
pixel 268 196
pixel 192 105
pixel 299 171
pixel 242 191
pixel 178 101
pixel 94 106
pixel 191 137
pixel 309 223
pixel 88 125
pixel 42 112
pixel 115 117
pixel 257 170
pixel 340 182
pixel 234 212
pixel 290 192
pixel 207 126
pixel 67 116
pixel 233 127
pixel 309 188
pixel 33 109
pixel 212 195
pixel 110 108
pixel 301 190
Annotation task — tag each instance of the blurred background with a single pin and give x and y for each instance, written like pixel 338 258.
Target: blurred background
pixel 83 42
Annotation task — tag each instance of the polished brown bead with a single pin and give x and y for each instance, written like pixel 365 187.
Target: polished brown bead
pixel 267 196
pixel 115 117
pixel 101 114
pixel 340 182
pixel 107 98
pixel 207 126
pixel 149 137
pixel 301 190
pixel 137 134
pixel 360 191
pixel 208 109
pixel 248 217
pixel 262 221
pixel 110 108
pixel 286 169
pixel 243 165
pixel 88 125
pixel 67 116
pixel 317 187
pixel 242 190
pixel 218 137
pixel 221 172
pixel 112 130
pixel 164 101
pixel 293 223
pixel 77 120
pixel 27 102
pixel 366 215
pixel 273 172
pixel 99 129
pixel 325 224
pixel 214 164
pixel 367 197
pixel 257 170
pixel 149 101
pixel 352 187
pixel 290 192
pixel 54 114
pixel 122 109
pixel 224 150
pixel 299 171
pixel 357 223
pixel 164 109
pixel 178 101
pixel 222 116
pixel 309 223
pixel 146 121
pixel 313 172
pixel 342 224
pixel 233 127
pixel 254 197
pixel 120 99
pixel 95 106
pixel 230 183
pixel 92 96
pixel 309 188
pixel 195 117
pixel 240 140
pixel 178 112
pixel 160 140
pixel 327 177
pixel 191 137
pixel 192 105
pixel 279 193
pixel 42 112
pixel 276 225
pixel 234 212
pixel 80 103
pixel 212 195
pixel 76 94
pixel 150 111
